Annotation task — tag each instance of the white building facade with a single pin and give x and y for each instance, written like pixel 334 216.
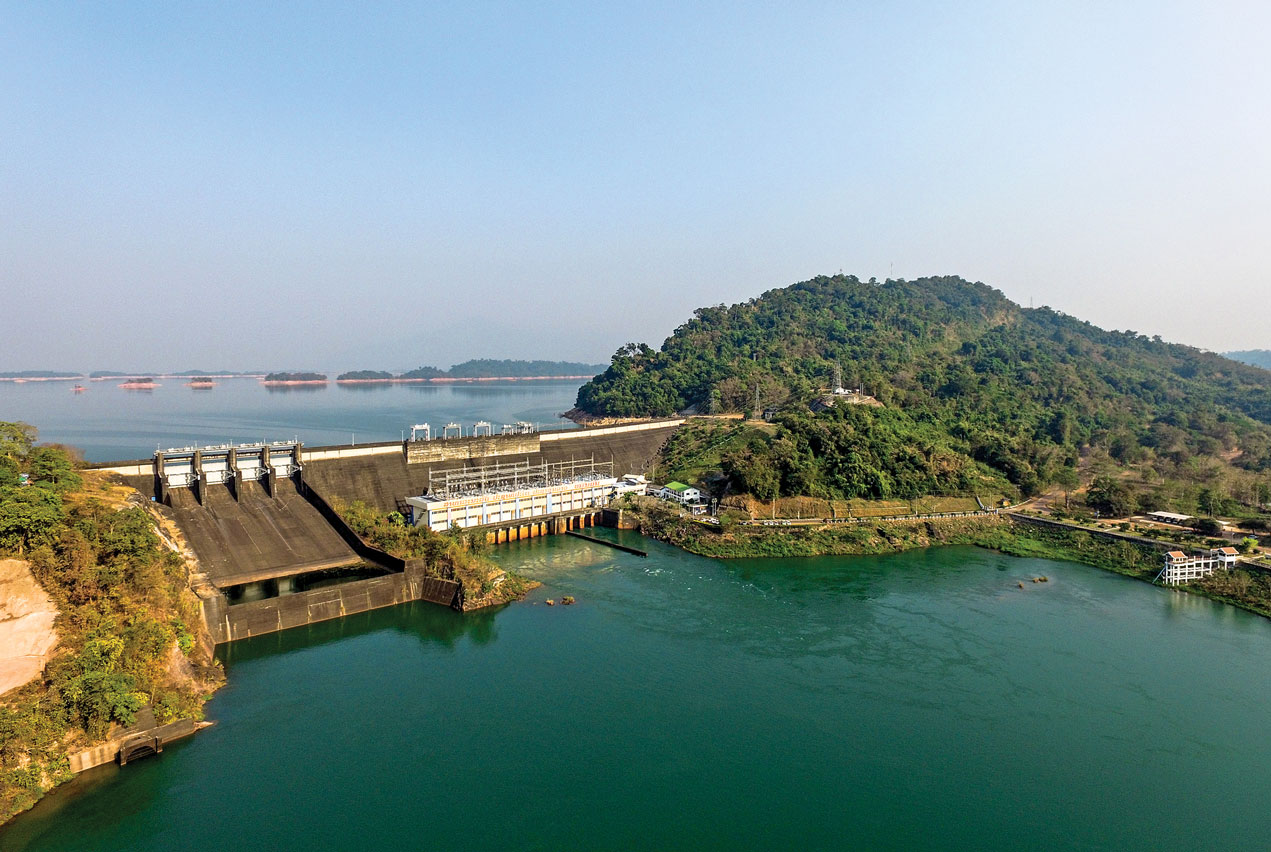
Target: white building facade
pixel 497 507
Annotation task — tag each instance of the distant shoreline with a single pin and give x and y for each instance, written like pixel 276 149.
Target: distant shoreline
pixel 86 377
pixel 454 379
pixel 261 377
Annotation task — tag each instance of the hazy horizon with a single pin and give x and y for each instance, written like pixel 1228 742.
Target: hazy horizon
pixel 286 368
pixel 236 186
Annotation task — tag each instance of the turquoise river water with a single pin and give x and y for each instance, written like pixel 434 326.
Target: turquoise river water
pixel 918 701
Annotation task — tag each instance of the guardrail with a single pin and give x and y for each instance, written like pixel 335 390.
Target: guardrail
pixel 856 519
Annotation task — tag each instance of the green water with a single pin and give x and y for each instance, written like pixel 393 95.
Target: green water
pixel 920 701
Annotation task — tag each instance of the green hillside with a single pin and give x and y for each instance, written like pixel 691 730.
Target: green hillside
pixel 1256 357
pixel 364 376
pixel 481 368
pixel 974 389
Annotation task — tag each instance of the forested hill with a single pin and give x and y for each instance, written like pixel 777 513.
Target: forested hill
pixel 481 368
pixel 963 373
pixel 1256 357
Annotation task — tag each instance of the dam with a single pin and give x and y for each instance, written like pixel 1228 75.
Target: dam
pixel 273 552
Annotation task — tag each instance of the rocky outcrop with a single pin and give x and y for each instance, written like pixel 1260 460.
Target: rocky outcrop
pixel 27 637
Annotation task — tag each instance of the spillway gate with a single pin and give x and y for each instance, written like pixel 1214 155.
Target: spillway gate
pixel 198 468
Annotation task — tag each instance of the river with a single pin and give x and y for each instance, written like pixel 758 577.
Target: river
pixel 108 423
pixel 916 701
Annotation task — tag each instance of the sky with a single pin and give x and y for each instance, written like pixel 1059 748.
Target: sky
pixel 223 185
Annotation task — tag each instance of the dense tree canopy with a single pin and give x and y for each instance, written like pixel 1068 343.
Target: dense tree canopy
pixel 363 376
pixel 491 368
pixel 967 377
pixel 1256 357
pixel 482 368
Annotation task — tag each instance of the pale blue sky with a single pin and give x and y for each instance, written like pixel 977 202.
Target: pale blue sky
pixel 222 185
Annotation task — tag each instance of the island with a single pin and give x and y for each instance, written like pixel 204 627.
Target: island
pixel 480 370
pixel 365 376
pixel 277 379
pixel 139 383
pixel 38 376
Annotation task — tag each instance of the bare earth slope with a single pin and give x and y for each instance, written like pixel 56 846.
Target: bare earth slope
pixel 27 637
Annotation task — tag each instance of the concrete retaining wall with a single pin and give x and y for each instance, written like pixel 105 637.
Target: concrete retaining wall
pixel 617 519
pixel 108 752
pixel 329 453
pixel 1108 534
pixel 463 449
pixel 359 545
pixel 144 467
pixel 591 432
pixel 240 621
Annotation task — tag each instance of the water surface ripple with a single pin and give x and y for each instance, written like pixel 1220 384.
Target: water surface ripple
pixel 920 701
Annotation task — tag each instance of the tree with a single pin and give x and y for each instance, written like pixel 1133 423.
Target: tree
pixel 28 518
pixel 15 445
pixel 753 473
pixel 16 440
pixel 1066 477
pixel 1211 502
pixel 53 465
pixel 1208 526
pixel 1110 497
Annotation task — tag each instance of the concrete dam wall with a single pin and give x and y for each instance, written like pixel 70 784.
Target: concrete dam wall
pixel 278 556
pixel 385 480
pixel 239 621
pixel 258 537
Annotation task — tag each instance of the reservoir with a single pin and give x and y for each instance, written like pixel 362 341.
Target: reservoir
pixel 917 701
pixel 110 423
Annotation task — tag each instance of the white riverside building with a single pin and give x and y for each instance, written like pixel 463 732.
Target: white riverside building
pixel 440 513
pixel 1181 568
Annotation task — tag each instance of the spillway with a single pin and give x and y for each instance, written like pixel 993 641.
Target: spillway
pixel 258 537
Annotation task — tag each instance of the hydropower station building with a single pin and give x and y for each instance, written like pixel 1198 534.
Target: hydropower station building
pixel 500 494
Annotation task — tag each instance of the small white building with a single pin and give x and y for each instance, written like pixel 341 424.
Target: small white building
pixel 512 504
pixel 1228 556
pixel 680 493
pixel 632 483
